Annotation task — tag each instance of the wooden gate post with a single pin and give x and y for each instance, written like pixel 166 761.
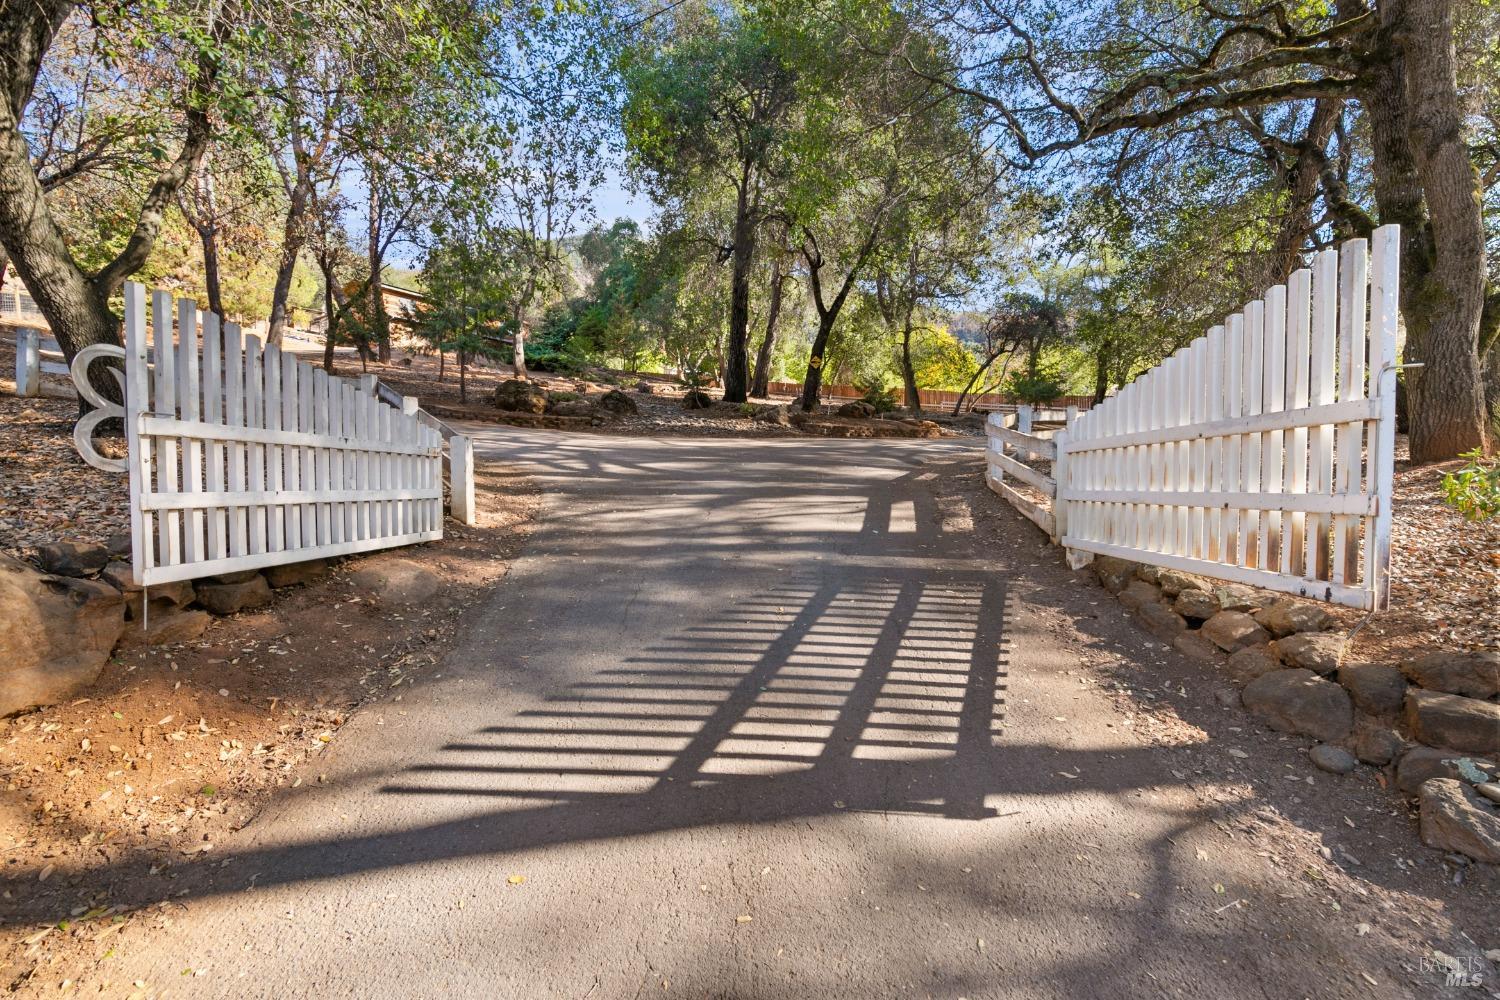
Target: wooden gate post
pixel 461 478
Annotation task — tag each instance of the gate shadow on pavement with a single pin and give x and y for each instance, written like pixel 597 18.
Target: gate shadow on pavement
pixel 884 692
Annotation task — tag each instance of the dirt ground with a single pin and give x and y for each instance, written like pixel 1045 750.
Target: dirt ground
pixel 176 746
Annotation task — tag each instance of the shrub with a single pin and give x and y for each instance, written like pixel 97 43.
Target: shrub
pixel 748 409
pixel 881 398
pixel 1043 387
pixel 1474 489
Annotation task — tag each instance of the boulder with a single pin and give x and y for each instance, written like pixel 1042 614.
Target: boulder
pixel 297 574
pixel 1161 621
pixel 1375 744
pixel 1419 764
pixel 520 396
pixel 1249 663
pixel 1489 790
pixel 166 628
pixel 1192 644
pixel 1334 760
pixel 571 408
pixel 56 634
pixel 647 388
pixel 397 581
pixel 773 414
pixel 856 408
pixel 1197 605
pixel 1456 818
pixel 1232 630
pixel 72 558
pixel 1284 616
pixel 1315 651
pixel 617 403
pixel 228 598
pixel 1236 597
pixel 1451 720
pixel 118 546
pixel 241 576
pixel 1174 582
pixel 1114 573
pixel 1151 574
pixel 697 399
pixel 1474 675
pixel 1299 701
pixel 1377 688
pixel 1138 593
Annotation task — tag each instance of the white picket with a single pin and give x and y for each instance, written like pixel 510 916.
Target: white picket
pixel 1246 455
pixel 246 456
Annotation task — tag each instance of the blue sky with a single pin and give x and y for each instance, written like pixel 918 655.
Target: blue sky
pixel 612 201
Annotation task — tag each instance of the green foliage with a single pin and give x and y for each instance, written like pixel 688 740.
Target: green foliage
pixel 1474 489
pixel 881 397
pixel 1035 388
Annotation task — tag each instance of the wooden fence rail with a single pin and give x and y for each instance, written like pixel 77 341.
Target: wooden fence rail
pixel 1261 453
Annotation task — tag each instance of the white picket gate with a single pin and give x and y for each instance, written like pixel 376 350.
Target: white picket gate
pixel 242 457
pixel 1262 453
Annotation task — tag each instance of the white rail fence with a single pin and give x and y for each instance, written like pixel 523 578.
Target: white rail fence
pixel 241 456
pixel 1262 453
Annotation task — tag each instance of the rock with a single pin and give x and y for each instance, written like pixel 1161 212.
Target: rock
pixel 1114 573
pixel 1197 605
pixel 228 598
pixel 571 408
pixel 1335 760
pixel 397 581
pixel 1249 663
pixel 1315 651
pixel 856 408
pixel 119 575
pixel 166 628
pixel 1232 630
pixel 1138 593
pixel 1377 688
pixel 1192 644
pixel 56 634
pixel 617 403
pixel 1489 790
pixel 1174 582
pixel 1285 616
pixel 1151 574
pixel 1235 597
pixel 72 558
pixel 1375 744
pixel 773 414
pixel 165 598
pixel 1451 720
pixel 1474 675
pixel 1299 701
pixel 697 399
pixel 1227 697
pixel 118 546
pixel 1456 818
pixel 520 396
pixel 1161 621
pixel 1420 764
pixel 297 574
pixel 647 388
pixel 243 576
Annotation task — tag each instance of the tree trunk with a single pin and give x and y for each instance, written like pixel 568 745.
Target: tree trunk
pixel 812 382
pixel 380 330
pixel 463 375
pixel 519 360
pixel 1448 414
pixel 1302 191
pixel 291 246
pixel 908 373
pixel 737 359
pixel 1101 373
pixel 760 384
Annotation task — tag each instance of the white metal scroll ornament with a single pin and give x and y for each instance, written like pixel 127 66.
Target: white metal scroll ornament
pixel 103 409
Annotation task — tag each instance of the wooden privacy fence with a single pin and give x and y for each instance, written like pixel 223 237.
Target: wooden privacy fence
pixel 242 456
pixel 1262 453
pixel 932 397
